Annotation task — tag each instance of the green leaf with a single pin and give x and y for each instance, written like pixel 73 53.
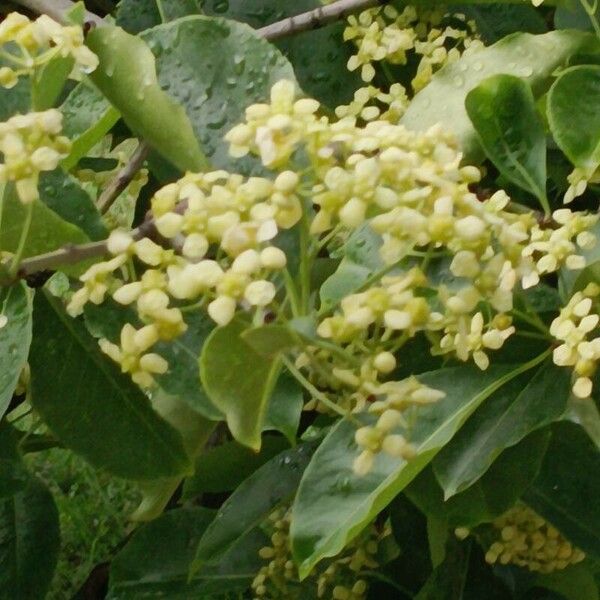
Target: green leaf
pixel 223 468
pixel 13 475
pixel 93 408
pixel 238 381
pixel 156 560
pixel 532 57
pixel 573 119
pixel 510 130
pixel 181 380
pixel 492 495
pixel 573 16
pixel 360 260
pixel 573 583
pixel 48 231
pixel 252 502
pixel 136 16
pixel 127 77
pixel 87 118
pixel 567 489
pixel 201 61
pixel 285 407
pixel 319 57
pixel 15 337
pixel 65 196
pixel 525 404
pixel 15 100
pixel 334 504
pixel 29 542
pixel 495 21
pixel 49 81
pixel 270 340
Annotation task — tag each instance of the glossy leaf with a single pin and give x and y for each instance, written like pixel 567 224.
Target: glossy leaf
pixel 322 74
pixel 29 542
pixel 15 100
pixel 155 562
pixel 333 504
pixel 285 407
pixel 518 408
pixel 65 196
pixel 510 130
pixel 496 20
pixel 137 15
pixel 493 494
pixel 238 381
pixel 574 122
pixel 573 583
pixel 15 338
pixel 360 260
pixel 13 475
pixel 201 61
pixel 532 57
pixel 87 118
pixel 93 408
pixel 223 468
pixel 181 379
pixel 48 231
pixel 127 77
pixel 572 15
pixel 566 490
pixel 252 502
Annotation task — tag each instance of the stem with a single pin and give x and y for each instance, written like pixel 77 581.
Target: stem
pixel 123 178
pixel 292 292
pixel 311 389
pixel 57 10
pixel 535 322
pixel 305 263
pixel 22 240
pixel 319 17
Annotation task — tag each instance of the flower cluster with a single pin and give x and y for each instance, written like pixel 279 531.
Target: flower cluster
pixel 29 45
pixel 385 34
pixel 31 144
pixel 338 579
pixel 574 328
pixel 200 216
pixel 527 540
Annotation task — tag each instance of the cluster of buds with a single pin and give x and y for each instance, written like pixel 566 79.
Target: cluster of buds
pixel 385 34
pixel 338 579
pixel 28 45
pixel 527 540
pixel 227 217
pixel 372 103
pixel 574 328
pixel 31 144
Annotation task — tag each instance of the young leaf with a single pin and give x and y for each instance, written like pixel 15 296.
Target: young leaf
pixel 127 77
pixel 533 57
pixel 238 381
pixel 518 408
pixel 510 130
pixel 29 542
pixel 93 408
pixel 202 61
pixel 156 560
pixel 333 504
pixel 573 119
pixel 252 502
pixel 567 489
pixel 15 337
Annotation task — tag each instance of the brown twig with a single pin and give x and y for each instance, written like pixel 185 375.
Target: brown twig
pixel 57 9
pixel 123 178
pixel 319 17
